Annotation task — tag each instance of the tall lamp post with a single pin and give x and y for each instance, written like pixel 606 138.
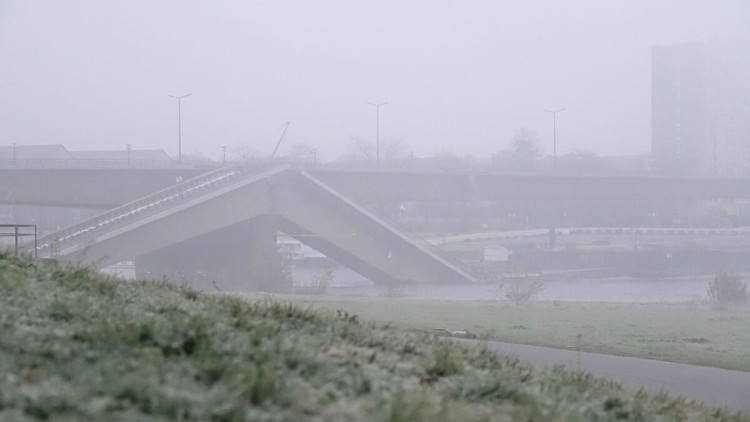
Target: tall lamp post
pixel 377 131
pixel 552 230
pixel 179 125
pixel 554 137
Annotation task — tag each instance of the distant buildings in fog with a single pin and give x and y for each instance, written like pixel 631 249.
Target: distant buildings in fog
pixel 700 108
pixel 700 125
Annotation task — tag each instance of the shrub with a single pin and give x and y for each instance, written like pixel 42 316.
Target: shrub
pixel 447 360
pixel 727 288
pixel 393 290
pixel 521 291
pixel 322 281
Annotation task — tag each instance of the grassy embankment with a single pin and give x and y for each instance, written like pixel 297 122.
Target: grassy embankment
pixel 75 345
pixel 692 333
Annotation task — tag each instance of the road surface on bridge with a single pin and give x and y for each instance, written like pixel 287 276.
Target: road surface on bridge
pixel 712 386
pixel 109 188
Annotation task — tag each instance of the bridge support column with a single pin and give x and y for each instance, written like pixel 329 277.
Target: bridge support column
pixel 267 270
pixel 240 257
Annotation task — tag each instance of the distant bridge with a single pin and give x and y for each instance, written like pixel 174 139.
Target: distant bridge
pixel 106 188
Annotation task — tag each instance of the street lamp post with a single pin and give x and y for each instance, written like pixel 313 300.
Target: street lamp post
pixel 179 125
pixel 377 131
pixel 224 155
pixel 552 229
pixel 554 137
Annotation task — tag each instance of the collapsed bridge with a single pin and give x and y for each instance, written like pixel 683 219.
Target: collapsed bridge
pixel 225 223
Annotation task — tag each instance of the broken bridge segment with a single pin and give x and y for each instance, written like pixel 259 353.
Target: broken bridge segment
pixel 207 217
pixel 188 209
pixel 325 219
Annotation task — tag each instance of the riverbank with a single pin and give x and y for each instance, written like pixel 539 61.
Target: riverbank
pixel 76 345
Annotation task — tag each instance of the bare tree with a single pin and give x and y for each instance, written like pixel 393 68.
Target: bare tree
pixel 447 160
pixel 362 151
pixel 521 153
pixel 303 153
pixel 525 144
pixel 392 150
pixel 244 152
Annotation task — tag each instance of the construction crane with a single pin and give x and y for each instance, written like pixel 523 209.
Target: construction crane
pixel 285 126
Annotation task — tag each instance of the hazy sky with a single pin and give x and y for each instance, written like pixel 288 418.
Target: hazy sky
pixel 459 75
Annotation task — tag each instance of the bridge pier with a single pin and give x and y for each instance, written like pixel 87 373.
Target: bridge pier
pixel 242 256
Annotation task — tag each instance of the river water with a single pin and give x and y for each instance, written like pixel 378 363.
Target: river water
pixel 612 289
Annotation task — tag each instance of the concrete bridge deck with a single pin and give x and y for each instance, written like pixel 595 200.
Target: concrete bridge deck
pixel 232 215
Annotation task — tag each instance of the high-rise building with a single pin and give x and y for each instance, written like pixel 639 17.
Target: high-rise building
pixel 700 108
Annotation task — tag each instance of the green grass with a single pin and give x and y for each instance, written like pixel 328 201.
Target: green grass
pixel 75 345
pixel 690 333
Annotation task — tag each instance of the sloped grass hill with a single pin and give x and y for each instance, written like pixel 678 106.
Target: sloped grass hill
pixel 76 345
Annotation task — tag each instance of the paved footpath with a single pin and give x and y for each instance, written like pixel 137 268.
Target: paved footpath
pixel 712 386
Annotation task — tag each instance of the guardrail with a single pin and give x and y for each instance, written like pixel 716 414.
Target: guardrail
pixel 516 234
pixel 18 232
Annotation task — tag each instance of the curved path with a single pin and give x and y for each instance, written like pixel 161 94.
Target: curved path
pixel 712 386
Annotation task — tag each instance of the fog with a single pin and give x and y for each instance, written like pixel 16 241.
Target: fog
pixel 459 76
pixel 568 174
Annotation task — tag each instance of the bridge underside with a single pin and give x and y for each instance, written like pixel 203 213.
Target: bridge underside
pixel 233 258
pixel 229 237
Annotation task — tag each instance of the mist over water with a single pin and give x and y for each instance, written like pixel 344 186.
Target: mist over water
pixel 623 289
pixel 611 289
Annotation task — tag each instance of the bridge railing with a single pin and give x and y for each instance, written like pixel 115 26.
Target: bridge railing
pixel 168 198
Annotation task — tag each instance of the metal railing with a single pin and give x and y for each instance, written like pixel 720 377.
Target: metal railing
pixel 18 232
pixel 163 200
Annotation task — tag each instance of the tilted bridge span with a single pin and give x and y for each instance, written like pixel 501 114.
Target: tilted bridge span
pixel 225 222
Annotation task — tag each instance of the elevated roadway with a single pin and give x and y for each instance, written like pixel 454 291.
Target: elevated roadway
pixel 371 185
pixel 107 188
